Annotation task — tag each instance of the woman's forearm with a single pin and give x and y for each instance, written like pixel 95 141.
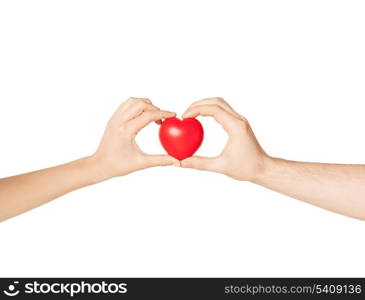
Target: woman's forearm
pixel 118 154
pixel 24 192
pixel 336 187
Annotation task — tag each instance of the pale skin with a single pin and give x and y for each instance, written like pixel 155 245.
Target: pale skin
pixel 117 155
pixel 336 187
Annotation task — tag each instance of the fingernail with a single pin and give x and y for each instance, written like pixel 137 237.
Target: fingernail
pixel 177 163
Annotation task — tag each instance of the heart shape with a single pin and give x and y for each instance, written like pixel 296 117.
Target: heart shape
pixel 181 138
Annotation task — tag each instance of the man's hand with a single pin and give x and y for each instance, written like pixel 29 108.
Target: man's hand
pixel 243 158
pixel 118 153
pixel 339 188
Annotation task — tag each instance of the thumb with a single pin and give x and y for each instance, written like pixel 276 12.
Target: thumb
pixel 200 163
pixel 161 160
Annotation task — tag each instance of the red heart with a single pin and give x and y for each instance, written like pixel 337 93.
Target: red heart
pixel 181 138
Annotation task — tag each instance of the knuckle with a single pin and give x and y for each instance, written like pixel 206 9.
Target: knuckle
pixel 150 115
pixel 112 123
pixel 242 124
pixel 140 105
pixel 124 127
pixel 135 99
pixel 216 107
pixel 244 119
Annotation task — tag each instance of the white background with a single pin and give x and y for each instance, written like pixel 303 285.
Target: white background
pixel 295 69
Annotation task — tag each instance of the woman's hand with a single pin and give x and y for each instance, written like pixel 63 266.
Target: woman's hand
pixel 243 158
pixel 118 153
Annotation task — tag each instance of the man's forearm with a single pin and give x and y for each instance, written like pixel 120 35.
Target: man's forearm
pixel 23 192
pixel 336 187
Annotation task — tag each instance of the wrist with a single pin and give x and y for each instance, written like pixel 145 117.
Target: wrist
pixel 269 165
pixel 95 168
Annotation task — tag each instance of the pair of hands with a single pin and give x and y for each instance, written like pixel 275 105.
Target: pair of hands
pixel 118 153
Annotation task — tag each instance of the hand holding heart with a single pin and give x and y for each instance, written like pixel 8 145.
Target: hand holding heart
pixel 118 153
pixel 242 158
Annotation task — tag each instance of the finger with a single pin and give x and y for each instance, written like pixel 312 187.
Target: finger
pixel 201 163
pixel 148 101
pixel 161 160
pixel 120 113
pixel 226 119
pixel 218 101
pixel 149 116
pixel 134 99
pixel 137 109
